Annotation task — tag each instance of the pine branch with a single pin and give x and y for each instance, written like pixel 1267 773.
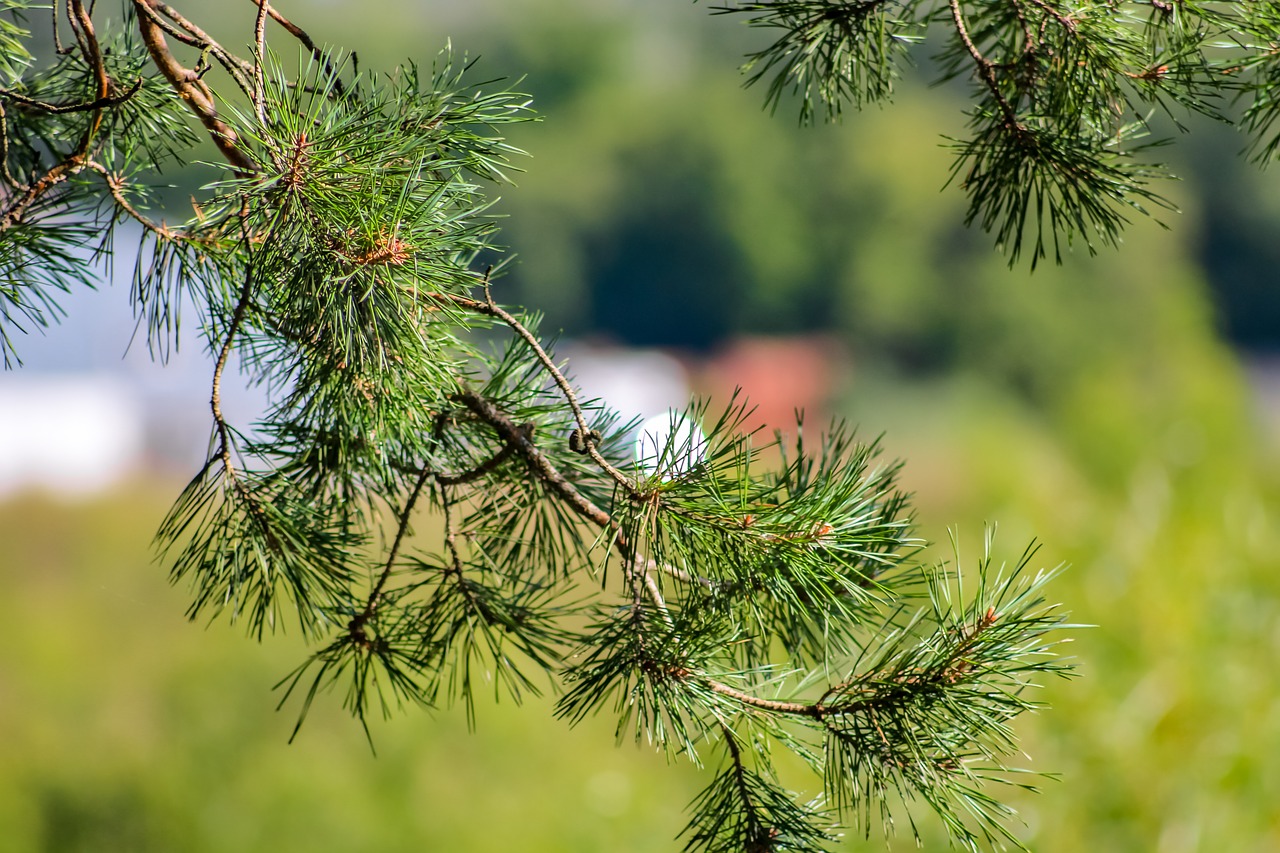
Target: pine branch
pixel 61 109
pixel 188 33
pixel 985 68
pixel 1061 92
pixel 766 604
pixel 190 88
pixel 301 35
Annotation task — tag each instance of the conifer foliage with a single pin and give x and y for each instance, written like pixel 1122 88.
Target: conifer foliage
pixel 1064 94
pixel 726 596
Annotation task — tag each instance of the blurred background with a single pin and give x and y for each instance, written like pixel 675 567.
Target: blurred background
pixel 1122 409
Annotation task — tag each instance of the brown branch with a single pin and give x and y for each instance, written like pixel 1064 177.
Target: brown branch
pixel 986 68
pixel 75 31
pixel 55 8
pixel 537 461
pixel 492 309
pixel 190 88
pixel 642 581
pixel 468 476
pixel 74 162
pixel 188 33
pixel 301 35
pixel 224 354
pixel 115 185
pixel 450 532
pixel 85 23
pixel 1028 38
pixel 19 205
pixel 683 576
pixel 655 594
pixel 4 151
pixel 566 390
pixel 58 109
pixel 815 710
pixel 803 709
pixel 219 419
pixel 1065 21
pixel 259 57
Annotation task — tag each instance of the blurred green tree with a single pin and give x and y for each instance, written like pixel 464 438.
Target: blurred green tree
pixel 734 606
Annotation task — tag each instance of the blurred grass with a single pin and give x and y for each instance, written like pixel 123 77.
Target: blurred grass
pixel 128 728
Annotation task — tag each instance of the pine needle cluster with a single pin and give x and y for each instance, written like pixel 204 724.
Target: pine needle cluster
pixel 1064 99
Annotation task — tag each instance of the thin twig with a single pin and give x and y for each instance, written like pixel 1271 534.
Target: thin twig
pixel 224 354
pixel 537 461
pixel 804 709
pixel 188 33
pixel 402 527
pixel 957 665
pixel 1028 38
pixel 492 309
pixel 814 710
pixel 455 557
pixel 20 204
pixel 641 580
pixel 4 151
pixel 223 430
pixel 566 390
pixel 84 106
pixel 483 468
pixel 986 69
pixel 55 8
pixel 75 31
pixel 74 162
pixel 259 57
pixel 94 51
pixel 301 35
pixel 655 595
pixel 681 575
pixel 1068 23
pixel 371 604
pixel 740 780
pixel 450 531
pixel 115 185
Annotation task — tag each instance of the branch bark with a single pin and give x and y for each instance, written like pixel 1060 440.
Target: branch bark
pixel 190 88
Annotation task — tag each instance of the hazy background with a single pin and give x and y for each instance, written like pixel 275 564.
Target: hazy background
pixel 1123 409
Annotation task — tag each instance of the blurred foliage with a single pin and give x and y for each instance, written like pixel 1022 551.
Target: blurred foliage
pixel 1165 743
pixel 659 188
pixel 126 728
pixel 663 206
